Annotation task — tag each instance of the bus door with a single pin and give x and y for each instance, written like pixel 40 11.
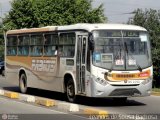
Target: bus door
pixel 81 63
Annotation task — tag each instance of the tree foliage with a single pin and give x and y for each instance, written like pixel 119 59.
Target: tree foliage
pixel 37 13
pixel 150 19
pixel 21 15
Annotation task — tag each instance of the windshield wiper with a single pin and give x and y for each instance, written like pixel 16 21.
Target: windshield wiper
pixel 110 70
pixel 126 49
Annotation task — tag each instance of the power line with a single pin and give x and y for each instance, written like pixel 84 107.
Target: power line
pixel 126 13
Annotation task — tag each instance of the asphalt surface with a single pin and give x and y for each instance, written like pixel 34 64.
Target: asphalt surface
pixel 19 110
pixel 140 105
pixel 23 110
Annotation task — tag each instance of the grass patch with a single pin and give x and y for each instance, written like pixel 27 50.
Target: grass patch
pixel 156 89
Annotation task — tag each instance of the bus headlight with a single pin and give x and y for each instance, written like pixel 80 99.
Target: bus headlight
pixel 101 81
pixel 147 80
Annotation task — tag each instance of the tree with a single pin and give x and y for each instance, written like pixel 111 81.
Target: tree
pixel 150 19
pixel 37 13
pixel 21 15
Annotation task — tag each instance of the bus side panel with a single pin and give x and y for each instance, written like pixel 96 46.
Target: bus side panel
pixel 11 75
pixel 50 83
pixel 41 72
pixel 67 68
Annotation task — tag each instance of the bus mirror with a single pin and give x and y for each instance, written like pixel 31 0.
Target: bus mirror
pixel 91 42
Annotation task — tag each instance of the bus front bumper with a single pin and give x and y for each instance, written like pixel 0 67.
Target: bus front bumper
pixel 109 90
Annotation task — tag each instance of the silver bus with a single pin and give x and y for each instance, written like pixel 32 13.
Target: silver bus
pixel 94 60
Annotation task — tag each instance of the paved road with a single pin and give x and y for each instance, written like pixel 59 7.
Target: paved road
pixel 29 111
pixel 143 105
pixel 15 109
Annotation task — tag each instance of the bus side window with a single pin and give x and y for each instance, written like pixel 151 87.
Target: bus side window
pixel 56 50
pixel 25 50
pixel 13 52
pixel 37 45
pixel 23 45
pixel 67 44
pixel 12 45
pixel 51 41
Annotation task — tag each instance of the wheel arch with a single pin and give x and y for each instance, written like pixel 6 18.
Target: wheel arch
pixel 22 70
pixel 66 78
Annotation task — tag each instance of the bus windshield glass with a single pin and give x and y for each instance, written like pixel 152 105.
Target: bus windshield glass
pixel 121 50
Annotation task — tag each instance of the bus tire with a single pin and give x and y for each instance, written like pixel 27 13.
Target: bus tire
pixel 70 91
pixel 23 83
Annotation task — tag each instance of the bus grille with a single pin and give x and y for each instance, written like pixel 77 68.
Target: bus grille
pixel 125 92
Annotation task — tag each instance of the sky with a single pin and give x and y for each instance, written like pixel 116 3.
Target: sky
pixel 4 6
pixel 115 10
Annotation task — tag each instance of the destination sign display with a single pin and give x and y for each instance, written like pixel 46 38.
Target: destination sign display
pixel 107 33
pixel 116 33
pixel 130 34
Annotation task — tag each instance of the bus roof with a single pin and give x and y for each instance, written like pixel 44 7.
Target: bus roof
pixel 80 26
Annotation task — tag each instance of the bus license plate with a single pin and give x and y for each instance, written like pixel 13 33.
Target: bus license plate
pixel 133 81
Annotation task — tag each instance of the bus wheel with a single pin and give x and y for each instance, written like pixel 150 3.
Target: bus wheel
pixel 23 83
pixel 70 91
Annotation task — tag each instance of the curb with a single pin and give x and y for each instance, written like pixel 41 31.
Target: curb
pixel 27 98
pixel 68 107
pixel 92 111
pixel 45 102
pixel 12 95
pixel 60 105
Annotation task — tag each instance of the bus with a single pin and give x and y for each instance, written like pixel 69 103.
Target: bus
pixel 92 60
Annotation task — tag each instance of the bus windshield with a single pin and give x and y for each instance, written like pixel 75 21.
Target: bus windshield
pixel 121 50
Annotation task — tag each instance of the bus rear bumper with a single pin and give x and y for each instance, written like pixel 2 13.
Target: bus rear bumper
pixel 140 90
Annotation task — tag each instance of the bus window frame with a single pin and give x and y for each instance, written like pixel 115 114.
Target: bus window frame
pixel 73 44
pixel 32 45
pixel 7 46
pixel 23 45
pixel 48 45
